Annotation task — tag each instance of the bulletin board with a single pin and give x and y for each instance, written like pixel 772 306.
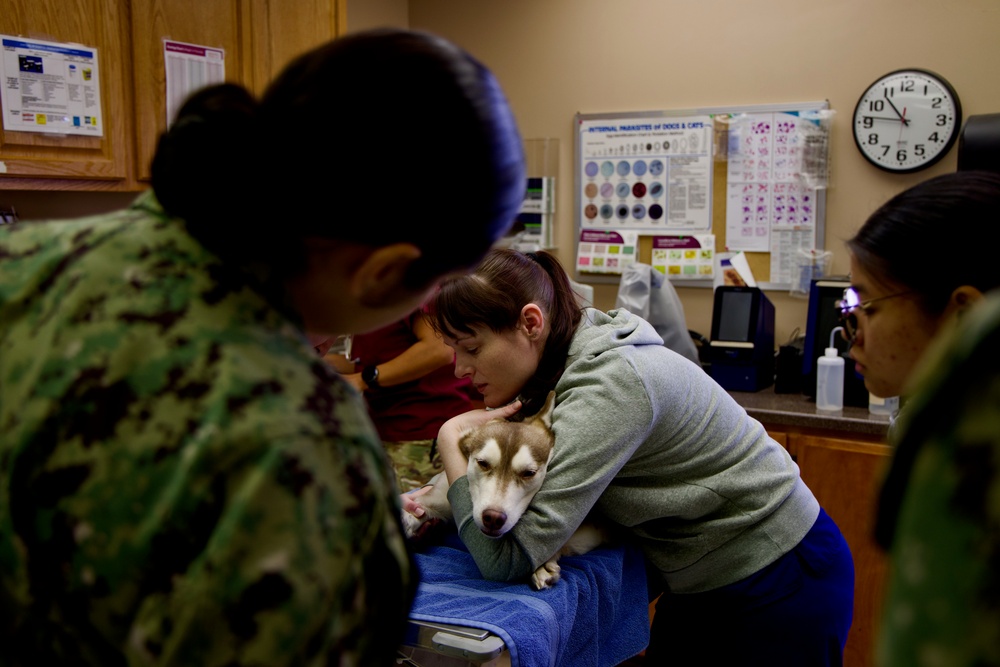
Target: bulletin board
pixel 680 189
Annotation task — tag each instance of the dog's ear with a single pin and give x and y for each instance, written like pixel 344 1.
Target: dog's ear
pixel 465 443
pixel 544 416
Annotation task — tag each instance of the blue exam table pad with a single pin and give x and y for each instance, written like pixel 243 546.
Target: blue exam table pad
pixel 596 615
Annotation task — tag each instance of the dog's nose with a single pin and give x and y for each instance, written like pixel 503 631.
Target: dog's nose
pixel 494 520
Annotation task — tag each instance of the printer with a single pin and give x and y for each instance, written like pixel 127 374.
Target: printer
pixel 741 347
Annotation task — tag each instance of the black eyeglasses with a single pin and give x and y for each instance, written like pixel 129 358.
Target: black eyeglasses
pixel 852 302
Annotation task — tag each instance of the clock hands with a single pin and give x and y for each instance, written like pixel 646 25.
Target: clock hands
pixel 894 120
pixel 902 116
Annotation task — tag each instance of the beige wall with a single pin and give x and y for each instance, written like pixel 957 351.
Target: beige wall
pixel 559 57
pixel 365 14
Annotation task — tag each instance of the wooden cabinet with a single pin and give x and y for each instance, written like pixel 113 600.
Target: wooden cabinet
pixel 845 475
pixel 104 161
pixel 258 36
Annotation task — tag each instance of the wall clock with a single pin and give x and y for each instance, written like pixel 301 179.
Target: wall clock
pixel 907 120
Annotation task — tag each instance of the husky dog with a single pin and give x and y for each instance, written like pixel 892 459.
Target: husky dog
pixel 507 463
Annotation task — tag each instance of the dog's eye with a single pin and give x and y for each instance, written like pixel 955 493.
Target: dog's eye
pixel 528 474
pixel 483 464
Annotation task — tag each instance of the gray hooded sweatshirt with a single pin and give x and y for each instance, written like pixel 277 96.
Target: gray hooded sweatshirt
pixel 650 443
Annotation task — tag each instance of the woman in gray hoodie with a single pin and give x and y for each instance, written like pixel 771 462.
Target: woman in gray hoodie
pixel 751 570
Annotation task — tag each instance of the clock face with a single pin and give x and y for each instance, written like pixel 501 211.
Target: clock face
pixel 907 120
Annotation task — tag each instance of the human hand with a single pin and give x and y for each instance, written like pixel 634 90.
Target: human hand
pixel 452 430
pixel 410 503
pixel 423 524
pixel 354 379
pixel 460 424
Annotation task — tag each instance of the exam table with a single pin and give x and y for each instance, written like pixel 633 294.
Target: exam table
pixel 595 616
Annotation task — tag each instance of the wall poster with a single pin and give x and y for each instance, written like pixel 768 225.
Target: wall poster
pixel 676 188
pixel 50 87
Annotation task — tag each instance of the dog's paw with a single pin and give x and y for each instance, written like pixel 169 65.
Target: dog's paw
pixel 546 575
pixel 414 527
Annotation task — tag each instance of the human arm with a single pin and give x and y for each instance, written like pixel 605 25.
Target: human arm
pixel 299 566
pixel 427 353
pixel 451 432
pixel 597 426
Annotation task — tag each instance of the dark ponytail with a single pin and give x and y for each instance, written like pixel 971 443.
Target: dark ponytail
pixel 493 296
pixel 204 166
pixel 564 317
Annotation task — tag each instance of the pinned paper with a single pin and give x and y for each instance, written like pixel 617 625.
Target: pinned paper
pixel 739 262
pixel 733 270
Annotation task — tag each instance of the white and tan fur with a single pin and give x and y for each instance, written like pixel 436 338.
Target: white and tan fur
pixel 507 462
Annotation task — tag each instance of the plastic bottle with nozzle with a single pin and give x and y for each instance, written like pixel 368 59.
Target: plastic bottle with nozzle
pixel 830 377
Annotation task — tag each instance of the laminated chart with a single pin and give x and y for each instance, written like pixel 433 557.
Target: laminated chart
pixel 606 252
pixel 50 87
pixel 649 175
pixel 770 206
pixel 678 186
pixel 684 257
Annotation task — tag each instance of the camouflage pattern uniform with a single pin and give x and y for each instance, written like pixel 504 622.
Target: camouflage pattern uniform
pixel 415 462
pixel 182 480
pixel 940 505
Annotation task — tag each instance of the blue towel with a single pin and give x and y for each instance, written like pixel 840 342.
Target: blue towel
pixel 596 615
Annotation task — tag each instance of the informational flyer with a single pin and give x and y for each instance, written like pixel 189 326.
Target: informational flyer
pixel 648 175
pixel 606 252
pixel 188 68
pixel 50 87
pixel 684 257
pixel 766 192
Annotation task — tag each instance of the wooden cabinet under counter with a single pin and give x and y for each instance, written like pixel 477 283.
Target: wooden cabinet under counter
pixel 842 458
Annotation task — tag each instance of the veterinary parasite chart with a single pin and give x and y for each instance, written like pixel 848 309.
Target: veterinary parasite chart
pixel 653 176
pixel 770 205
pixel 676 187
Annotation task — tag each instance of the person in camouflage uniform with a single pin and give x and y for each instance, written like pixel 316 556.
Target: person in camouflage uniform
pixel 183 481
pixel 930 337
pixel 940 508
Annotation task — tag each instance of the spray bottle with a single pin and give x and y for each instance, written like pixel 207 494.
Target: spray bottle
pixel 830 378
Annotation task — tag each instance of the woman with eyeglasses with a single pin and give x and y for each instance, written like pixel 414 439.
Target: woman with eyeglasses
pixel 918 261
pixel 921 270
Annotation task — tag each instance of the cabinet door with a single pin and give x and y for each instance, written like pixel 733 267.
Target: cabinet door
pixel 279 31
pixel 98 24
pixel 214 23
pixel 258 36
pixel 845 476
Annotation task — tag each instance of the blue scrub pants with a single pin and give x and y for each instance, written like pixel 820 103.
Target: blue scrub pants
pixel 795 612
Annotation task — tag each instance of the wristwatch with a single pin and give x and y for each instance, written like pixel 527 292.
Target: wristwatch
pixel 369 375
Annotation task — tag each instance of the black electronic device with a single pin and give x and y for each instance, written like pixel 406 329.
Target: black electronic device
pixel 979 143
pixel 823 316
pixel 742 342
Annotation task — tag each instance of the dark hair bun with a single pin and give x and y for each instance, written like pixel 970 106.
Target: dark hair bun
pixel 204 159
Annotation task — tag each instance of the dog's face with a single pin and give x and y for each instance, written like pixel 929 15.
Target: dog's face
pixel 507 463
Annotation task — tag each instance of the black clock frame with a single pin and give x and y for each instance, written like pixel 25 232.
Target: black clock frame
pixel 951 140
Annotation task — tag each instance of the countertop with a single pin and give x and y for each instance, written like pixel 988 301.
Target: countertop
pixel 799 410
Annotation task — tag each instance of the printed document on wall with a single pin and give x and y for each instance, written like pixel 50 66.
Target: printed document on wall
pixel 188 68
pixel 50 87
pixel 766 195
pixel 653 176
